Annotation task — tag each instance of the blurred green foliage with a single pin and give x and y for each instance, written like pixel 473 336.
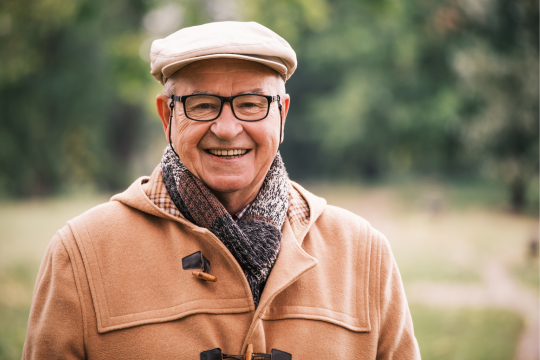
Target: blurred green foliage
pixel 446 88
pixel 71 84
pixel 433 87
pixel 486 334
pixel 16 284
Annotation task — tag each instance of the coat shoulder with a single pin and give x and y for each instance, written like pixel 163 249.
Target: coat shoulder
pixel 115 217
pixel 348 226
pixel 106 213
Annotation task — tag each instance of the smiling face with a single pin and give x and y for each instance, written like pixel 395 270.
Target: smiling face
pixel 250 147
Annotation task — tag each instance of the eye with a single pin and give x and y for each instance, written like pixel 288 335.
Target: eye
pixel 248 105
pixel 204 106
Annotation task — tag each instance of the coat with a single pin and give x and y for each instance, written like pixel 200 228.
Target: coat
pixel 111 286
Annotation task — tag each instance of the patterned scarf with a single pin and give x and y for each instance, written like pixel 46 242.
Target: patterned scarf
pixel 254 239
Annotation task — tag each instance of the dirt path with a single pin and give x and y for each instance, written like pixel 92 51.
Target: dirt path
pixel 499 290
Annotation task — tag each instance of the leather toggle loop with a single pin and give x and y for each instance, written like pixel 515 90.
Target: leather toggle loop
pixel 216 354
pixel 198 261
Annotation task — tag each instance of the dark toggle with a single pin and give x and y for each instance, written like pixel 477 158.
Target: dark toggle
pixel 198 261
pixel 216 354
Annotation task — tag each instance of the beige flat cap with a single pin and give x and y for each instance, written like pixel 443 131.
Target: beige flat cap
pixel 227 39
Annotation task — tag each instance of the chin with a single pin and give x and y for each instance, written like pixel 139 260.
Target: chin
pixel 228 185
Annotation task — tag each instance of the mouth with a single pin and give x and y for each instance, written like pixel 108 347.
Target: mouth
pixel 228 153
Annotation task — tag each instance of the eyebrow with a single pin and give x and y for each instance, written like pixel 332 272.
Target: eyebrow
pixel 252 91
pixel 197 92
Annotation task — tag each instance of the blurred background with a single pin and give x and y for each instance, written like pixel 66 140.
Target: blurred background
pixel 421 116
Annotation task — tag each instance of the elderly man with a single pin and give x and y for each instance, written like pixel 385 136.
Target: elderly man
pixel 218 253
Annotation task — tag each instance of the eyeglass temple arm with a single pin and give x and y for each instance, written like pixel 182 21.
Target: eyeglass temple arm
pixel 171 106
pixel 280 119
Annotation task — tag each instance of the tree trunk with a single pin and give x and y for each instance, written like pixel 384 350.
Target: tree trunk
pixel 517 195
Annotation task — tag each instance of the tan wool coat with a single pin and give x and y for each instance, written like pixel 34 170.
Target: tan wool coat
pixel 112 286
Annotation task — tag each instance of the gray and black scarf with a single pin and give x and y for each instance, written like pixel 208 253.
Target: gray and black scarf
pixel 254 239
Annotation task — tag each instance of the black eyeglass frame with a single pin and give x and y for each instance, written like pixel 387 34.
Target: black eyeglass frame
pixel 225 99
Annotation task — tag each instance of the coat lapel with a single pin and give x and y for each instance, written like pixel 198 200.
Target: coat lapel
pixel 292 262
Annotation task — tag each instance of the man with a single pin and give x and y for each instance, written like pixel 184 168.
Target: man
pixel 218 252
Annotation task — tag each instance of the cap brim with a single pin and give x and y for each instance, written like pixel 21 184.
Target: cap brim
pixel 170 69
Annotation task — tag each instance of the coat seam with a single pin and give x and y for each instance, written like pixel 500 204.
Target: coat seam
pixel 379 253
pixel 172 307
pixel 357 267
pixel 316 307
pixel 260 311
pixel 259 316
pixel 90 277
pixel 367 259
pixel 326 319
pixel 159 320
pixel 76 278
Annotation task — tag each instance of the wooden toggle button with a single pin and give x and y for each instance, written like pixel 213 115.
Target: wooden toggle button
pixel 249 352
pixel 204 276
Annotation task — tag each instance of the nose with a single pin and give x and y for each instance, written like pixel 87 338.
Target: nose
pixel 226 126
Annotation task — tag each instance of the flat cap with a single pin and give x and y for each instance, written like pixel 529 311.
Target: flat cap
pixel 227 39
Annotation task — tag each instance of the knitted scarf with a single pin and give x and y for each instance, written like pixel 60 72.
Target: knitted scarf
pixel 254 239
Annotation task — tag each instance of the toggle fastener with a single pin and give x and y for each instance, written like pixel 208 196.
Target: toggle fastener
pixel 198 261
pixel 217 354
pixel 204 276
pixel 249 352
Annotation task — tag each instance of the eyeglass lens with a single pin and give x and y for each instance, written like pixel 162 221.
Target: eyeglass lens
pixel 246 107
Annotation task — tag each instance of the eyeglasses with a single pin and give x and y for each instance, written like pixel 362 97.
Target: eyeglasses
pixel 245 107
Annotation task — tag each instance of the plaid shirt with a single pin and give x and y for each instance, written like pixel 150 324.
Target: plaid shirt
pixel 298 212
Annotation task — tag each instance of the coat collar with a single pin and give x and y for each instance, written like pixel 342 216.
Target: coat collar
pixel 135 196
pixel 292 261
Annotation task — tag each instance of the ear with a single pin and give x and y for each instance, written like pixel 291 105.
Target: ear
pixel 164 111
pixel 285 102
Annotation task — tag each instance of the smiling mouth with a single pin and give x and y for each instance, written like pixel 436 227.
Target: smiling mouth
pixel 228 154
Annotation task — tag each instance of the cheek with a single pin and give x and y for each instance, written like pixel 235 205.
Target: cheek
pixel 186 136
pixel 266 134
pixel 182 129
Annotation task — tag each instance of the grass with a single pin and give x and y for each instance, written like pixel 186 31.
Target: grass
pixel 435 237
pixel 26 228
pixel 528 274
pixel 16 285
pixel 437 234
pixel 466 334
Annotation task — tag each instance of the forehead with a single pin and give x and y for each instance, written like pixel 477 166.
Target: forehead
pixel 226 75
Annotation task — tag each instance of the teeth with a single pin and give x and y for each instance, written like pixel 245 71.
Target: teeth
pixel 235 152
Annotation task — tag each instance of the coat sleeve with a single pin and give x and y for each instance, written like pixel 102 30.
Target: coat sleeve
pixel 396 332
pixel 55 324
